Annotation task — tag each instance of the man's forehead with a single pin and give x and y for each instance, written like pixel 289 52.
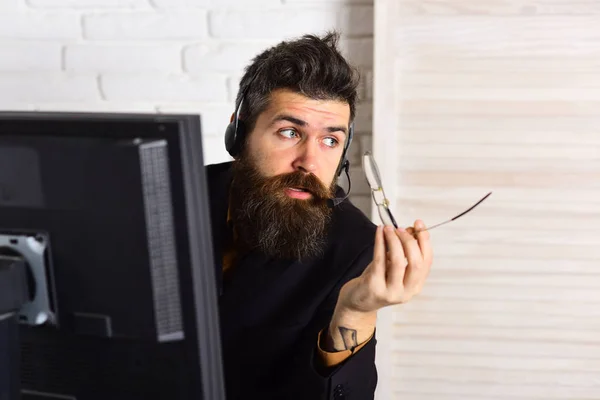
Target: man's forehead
pixel 282 101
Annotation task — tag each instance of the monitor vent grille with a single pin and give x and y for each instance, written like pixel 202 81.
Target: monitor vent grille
pixel 161 240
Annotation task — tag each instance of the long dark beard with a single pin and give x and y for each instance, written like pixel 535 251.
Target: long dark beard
pixel 267 220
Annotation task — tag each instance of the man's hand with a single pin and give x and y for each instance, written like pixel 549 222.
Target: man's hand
pixel 400 266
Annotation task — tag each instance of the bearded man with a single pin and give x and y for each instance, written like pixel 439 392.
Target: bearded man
pixel 301 271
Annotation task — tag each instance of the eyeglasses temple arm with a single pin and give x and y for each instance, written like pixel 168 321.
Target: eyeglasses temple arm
pixel 454 218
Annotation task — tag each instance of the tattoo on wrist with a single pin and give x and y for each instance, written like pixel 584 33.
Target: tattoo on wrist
pixel 348 337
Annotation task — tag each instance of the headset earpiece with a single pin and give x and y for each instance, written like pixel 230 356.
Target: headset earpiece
pixel 235 133
pixel 230 137
pixel 234 137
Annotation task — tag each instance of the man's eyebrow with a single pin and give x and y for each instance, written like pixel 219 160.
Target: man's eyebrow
pixel 299 122
pixel 342 129
pixel 289 118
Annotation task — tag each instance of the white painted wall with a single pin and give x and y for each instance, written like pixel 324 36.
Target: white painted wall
pixel 165 56
pixel 502 95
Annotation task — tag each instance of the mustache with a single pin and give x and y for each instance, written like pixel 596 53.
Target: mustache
pixel 302 180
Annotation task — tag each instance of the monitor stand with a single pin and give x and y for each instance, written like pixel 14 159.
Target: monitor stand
pixel 14 293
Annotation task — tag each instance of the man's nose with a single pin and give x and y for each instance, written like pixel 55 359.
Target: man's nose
pixel 307 159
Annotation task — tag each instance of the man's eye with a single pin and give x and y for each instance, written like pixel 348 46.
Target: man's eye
pixel 331 142
pixel 288 133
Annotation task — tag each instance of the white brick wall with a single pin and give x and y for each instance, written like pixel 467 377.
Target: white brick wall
pixel 29 87
pixel 166 56
pixel 83 4
pixel 124 58
pixel 30 56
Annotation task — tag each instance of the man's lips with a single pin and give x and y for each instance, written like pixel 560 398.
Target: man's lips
pixel 298 193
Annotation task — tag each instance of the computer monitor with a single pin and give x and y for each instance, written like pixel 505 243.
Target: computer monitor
pixel 109 213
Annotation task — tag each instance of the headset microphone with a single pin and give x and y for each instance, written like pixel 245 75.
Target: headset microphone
pixel 337 200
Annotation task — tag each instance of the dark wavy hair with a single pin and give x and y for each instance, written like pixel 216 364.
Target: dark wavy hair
pixel 310 65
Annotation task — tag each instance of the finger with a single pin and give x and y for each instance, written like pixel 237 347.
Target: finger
pixel 396 266
pixel 379 256
pixel 423 238
pixel 412 252
pixel 415 270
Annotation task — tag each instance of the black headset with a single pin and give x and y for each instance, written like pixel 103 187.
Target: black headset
pixel 235 134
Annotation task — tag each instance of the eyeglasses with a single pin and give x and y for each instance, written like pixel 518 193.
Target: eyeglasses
pixel 381 201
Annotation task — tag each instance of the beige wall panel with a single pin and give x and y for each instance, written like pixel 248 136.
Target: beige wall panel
pixel 472 96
